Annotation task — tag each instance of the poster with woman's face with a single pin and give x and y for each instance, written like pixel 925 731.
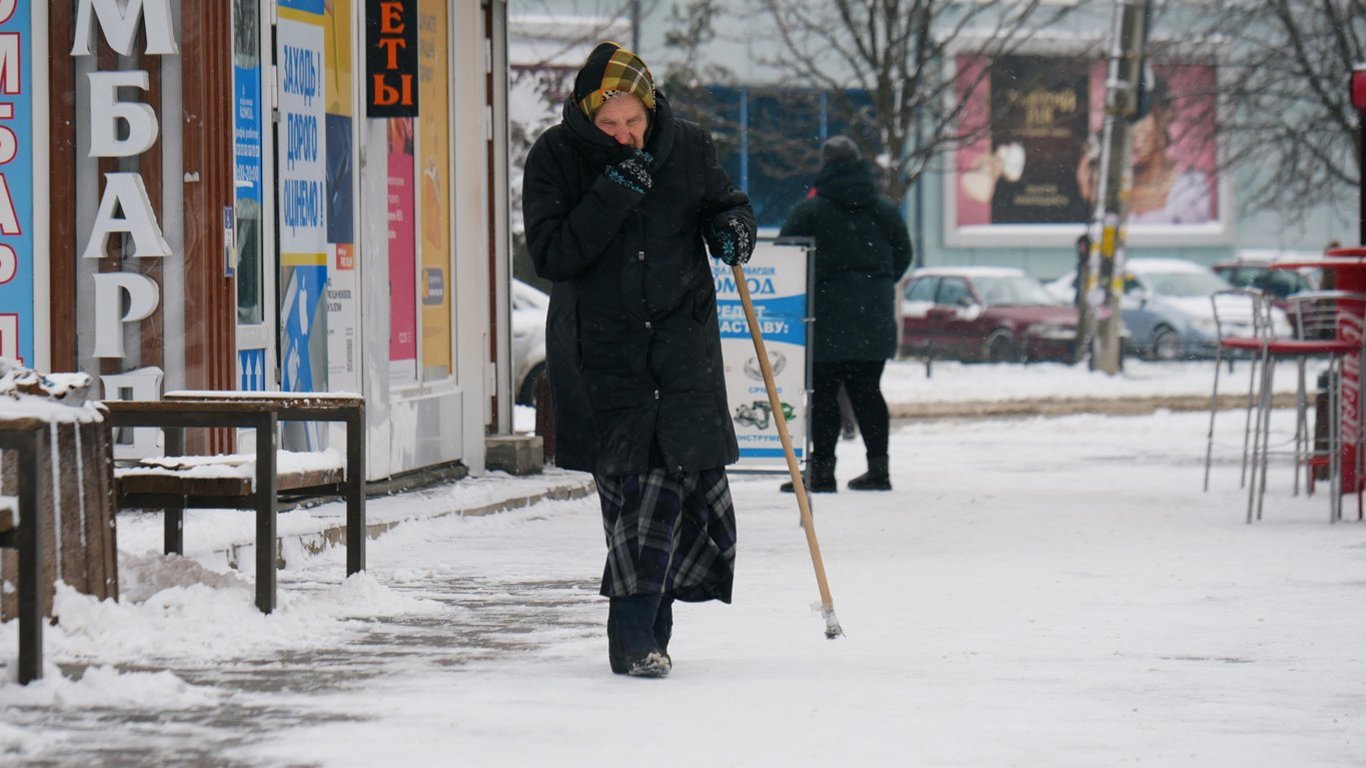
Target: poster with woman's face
pixel 1033 125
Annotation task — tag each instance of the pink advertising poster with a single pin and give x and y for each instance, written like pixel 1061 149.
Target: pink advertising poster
pixel 1033 126
pixel 402 252
pixel 1175 176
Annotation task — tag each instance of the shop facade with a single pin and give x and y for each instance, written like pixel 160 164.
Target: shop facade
pixel 263 195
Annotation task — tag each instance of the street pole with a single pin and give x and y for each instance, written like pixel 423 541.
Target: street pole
pixel 635 26
pixel 1129 39
pixel 1358 90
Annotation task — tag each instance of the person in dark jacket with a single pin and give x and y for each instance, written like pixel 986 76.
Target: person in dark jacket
pixel 622 202
pixel 862 249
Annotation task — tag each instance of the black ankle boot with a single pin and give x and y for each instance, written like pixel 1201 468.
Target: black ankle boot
pixel 616 657
pixel 635 651
pixel 821 478
pixel 664 624
pixel 876 478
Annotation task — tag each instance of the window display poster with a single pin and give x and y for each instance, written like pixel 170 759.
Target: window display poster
pixel 1035 124
pixel 435 133
pixel 343 312
pixel 777 280
pixel 303 218
pixel 402 253
pixel 16 190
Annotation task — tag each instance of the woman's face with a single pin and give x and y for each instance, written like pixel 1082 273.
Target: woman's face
pixel 1150 137
pixel 624 119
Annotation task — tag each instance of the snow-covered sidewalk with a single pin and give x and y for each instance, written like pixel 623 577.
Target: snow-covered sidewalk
pixel 1036 591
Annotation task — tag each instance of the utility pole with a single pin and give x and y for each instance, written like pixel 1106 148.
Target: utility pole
pixel 1122 91
pixel 1358 90
pixel 635 26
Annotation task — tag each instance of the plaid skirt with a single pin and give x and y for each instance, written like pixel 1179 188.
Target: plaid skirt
pixel 668 533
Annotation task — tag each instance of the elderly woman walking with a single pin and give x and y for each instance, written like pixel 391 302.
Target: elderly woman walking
pixel 619 199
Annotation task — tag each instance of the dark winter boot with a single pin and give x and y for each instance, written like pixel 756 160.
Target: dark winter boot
pixel 632 620
pixel 615 655
pixel 664 625
pixel 875 479
pixel 821 479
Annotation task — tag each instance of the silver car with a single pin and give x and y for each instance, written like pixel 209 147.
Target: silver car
pixel 1166 307
pixel 529 308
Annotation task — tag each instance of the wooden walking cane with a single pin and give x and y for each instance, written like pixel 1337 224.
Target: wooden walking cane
pixel 832 624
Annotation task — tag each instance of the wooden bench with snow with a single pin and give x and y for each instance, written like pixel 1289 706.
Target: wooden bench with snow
pixel 174 482
pixel 19 529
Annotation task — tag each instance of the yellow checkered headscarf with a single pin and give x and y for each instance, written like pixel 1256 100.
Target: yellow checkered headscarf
pixel 609 71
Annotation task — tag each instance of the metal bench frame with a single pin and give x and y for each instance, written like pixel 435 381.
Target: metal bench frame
pixel 27 437
pixel 262 414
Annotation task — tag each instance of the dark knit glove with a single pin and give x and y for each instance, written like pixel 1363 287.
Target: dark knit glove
pixel 729 240
pixel 632 172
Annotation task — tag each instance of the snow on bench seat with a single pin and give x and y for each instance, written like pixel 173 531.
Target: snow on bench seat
pixel 228 474
pixel 9 513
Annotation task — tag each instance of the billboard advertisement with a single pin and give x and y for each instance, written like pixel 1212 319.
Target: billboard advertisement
pixel 778 280
pixel 1034 125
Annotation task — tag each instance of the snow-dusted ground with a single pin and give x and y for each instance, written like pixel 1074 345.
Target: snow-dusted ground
pixel 1035 592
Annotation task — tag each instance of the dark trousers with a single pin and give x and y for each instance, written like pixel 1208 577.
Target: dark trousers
pixel 862 382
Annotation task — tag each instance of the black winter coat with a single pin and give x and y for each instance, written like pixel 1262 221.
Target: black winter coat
pixel 862 249
pixel 632 343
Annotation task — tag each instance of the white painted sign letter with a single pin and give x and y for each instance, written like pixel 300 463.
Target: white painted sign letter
pixel 126 191
pixel 106 111
pixel 120 25
pixel 143 296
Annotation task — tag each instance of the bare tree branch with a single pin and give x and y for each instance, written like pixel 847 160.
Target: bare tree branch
pixel 1285 114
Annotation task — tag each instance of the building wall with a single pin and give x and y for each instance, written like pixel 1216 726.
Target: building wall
pixel 372 236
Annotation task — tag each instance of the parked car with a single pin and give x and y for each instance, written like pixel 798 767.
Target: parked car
pixel 993 314
pixel 1257 273
pixel 1166 307
pixel 529 308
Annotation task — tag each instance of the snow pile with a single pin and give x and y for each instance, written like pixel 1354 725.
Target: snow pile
pixel 58 397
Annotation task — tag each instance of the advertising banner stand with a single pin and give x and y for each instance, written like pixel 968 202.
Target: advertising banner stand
pixel 779 278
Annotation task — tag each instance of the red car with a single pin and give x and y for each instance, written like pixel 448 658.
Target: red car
pixel 984 314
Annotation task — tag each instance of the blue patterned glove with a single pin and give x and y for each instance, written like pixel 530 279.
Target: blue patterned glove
pixel 633 172
pixel 729 240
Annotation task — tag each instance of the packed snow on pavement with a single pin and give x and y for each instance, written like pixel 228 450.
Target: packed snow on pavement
pixel 1035 591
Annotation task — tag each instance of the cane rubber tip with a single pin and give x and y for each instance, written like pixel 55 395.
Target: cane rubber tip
pixel 832 624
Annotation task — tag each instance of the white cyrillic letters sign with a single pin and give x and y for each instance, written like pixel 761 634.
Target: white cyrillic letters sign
pixel 143 296
pixel 141 384
pixel 106 111
pixel 126 191
pixel 120 27
pixel 124 206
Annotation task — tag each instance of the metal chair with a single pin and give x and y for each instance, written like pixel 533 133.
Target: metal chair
pixel 1326 325
pixel 1242 318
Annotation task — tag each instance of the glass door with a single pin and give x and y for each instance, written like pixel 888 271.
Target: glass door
pixel 251 229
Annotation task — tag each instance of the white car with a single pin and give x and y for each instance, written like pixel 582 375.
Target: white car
pixel 1166 307
pixel 529 309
